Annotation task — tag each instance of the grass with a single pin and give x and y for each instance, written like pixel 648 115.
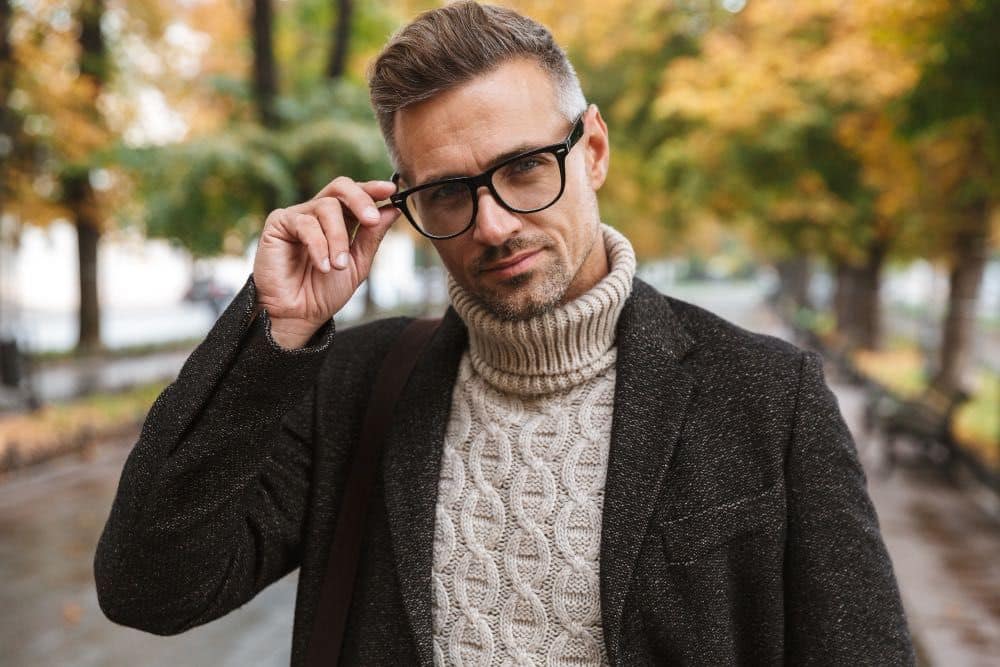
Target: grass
pixel 60 427
pixel 977 422
pixel 901 369
pixel 56 356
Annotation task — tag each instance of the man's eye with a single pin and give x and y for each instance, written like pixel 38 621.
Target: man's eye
pixel 447 191
pixel 526 164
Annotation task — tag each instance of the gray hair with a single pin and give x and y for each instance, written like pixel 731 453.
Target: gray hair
pixel 446 47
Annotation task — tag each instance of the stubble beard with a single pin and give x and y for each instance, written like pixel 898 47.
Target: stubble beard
pixel 527 294
pixel 518 299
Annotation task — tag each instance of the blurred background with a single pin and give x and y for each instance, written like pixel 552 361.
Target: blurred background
pixel 819 170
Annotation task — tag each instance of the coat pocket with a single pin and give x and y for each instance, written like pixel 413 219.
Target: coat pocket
pixel 688 538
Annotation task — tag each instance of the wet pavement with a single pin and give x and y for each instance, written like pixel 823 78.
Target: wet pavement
pixel 60 382
pixel 50 520
pixel 945 550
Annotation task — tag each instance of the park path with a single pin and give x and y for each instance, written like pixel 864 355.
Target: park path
pixel 50 519
pixel 945 550
pixel 943 539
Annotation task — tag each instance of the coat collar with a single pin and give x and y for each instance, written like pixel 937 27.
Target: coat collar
pixel 651 393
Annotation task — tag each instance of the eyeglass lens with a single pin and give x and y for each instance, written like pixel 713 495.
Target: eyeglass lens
pixel 529 183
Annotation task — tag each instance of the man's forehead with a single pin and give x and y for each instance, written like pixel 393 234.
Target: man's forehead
pixel 466 158
pixel 473 124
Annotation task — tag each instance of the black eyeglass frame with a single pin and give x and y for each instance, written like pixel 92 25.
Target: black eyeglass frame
pixel 485 179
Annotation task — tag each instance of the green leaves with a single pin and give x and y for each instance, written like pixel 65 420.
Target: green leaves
pixel 212 194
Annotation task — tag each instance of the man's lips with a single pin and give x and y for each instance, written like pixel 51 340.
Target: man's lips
pixel 511 264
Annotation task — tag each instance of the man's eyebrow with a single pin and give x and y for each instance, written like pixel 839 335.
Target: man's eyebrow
pixel 497 159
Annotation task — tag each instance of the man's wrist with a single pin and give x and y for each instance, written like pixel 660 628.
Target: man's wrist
pixel 289 334
pixel 290 340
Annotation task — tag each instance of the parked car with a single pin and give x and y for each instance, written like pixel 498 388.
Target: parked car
pixel 210 291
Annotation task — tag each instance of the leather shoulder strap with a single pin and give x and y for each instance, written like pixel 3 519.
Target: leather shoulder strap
pixel 345 550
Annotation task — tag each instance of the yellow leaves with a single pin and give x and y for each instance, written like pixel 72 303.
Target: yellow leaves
pixel 889 164
pixel 810 184
pixel 727 86
pixel 30 198
pixel 600 27
pixel 824 208
pixel 900 369
pixel 777 59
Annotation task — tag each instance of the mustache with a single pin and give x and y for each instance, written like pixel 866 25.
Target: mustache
pixel 494 254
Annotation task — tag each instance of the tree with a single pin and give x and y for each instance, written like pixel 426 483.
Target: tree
pixel 265 75
pixel 340 40
pixel 211 191
pixel 66 110
pixel 954 109
pixel 777 110
pixel 78 192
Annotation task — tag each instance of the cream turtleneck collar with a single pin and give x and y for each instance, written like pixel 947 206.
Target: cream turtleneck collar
pixel 558 349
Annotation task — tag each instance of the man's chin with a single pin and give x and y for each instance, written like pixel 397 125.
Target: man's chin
pixel 518 298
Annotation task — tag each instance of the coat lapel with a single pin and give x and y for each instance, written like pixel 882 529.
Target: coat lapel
pixel 652 389
pixel 412 461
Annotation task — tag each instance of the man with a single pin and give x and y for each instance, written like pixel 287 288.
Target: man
pixel 580 470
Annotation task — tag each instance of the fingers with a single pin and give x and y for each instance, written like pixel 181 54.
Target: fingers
pixel 368 239
pixel 376 189
pixel 329 213
pixel 309 231
pixel 327 223
pixel 358 198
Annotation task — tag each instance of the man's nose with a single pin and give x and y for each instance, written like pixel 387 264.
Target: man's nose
pixel 494 224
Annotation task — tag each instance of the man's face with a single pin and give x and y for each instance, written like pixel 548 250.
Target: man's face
pixel 517 264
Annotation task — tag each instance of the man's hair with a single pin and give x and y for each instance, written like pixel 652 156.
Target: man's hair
pixel 446 47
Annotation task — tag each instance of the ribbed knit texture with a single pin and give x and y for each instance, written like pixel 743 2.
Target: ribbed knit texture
pixel 518 518
pixel 555 350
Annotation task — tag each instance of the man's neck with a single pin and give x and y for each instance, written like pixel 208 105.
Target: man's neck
pixel 593 269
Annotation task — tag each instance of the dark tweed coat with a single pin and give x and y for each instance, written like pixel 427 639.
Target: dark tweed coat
pixel 737 526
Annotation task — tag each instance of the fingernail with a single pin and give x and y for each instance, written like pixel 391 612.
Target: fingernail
pixel 371 213
pixel 341 261
pixel 325 265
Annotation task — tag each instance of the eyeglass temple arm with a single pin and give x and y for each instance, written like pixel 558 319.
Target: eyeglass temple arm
pixel 378 204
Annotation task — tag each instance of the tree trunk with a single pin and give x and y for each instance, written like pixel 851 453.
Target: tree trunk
pixel 88 236
pixel 869 312
pixel 6 125
pixel 340 37
pixel 340 40
pixel 969 254
pixel 856 299
pixel 793 280
pixel 265 77
pixel 78 194
pixel 6 62
pixel 844 298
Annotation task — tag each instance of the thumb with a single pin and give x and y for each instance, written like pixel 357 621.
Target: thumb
pixel 368 238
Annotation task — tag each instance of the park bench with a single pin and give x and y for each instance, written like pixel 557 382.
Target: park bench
pixel 925 420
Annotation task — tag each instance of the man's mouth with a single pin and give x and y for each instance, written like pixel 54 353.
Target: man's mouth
pixel 513 265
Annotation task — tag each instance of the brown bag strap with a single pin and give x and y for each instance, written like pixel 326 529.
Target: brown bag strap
pixel 345 550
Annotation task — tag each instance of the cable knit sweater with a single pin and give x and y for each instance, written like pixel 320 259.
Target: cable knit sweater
pixel 518 517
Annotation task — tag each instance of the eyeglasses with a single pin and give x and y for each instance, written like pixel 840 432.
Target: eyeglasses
pixel 525 183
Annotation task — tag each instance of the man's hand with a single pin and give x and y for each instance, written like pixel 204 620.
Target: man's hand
pixel 306 268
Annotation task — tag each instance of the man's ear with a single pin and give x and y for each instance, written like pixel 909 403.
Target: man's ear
pixel 597 146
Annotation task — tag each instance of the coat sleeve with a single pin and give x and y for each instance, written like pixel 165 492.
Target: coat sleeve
pixel 842 602
pixel 211 499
